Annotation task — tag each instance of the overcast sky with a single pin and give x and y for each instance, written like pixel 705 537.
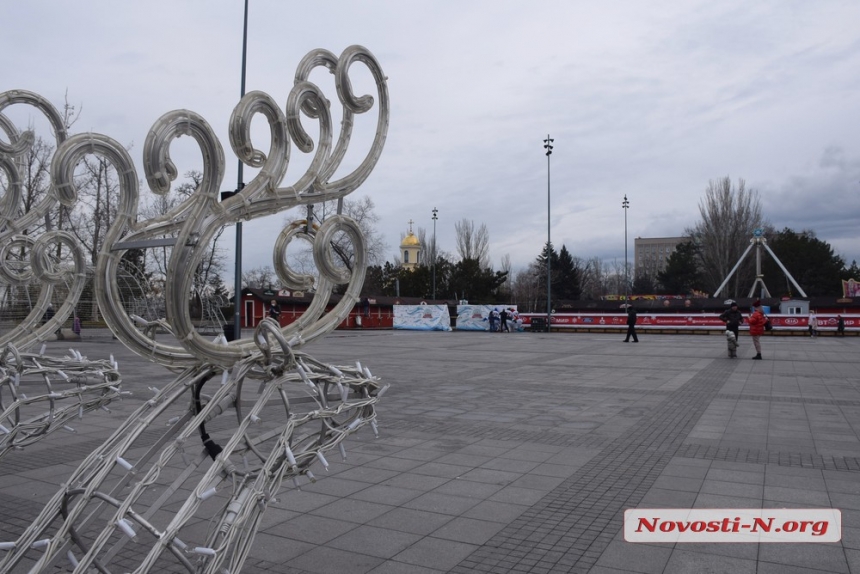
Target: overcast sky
pixel 647 99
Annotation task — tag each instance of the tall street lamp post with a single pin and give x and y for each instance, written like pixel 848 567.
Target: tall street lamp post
pixel 433 254
pixel 625 204
pixel 237 280
pixel 547 144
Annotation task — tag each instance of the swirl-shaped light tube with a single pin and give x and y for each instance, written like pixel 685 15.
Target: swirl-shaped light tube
pixel 27 331
pixel 12 198
pixel 108 296
pixel 22 142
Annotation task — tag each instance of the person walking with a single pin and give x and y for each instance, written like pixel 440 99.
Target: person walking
pixel 732 318
pixel 503 316
pixel 631 324
pixel 275 311
pixel 840 326
pixel 813 325
pixel 756 321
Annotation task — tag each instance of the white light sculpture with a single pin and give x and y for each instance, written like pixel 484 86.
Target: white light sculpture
pixel 40 394
pixel 291 410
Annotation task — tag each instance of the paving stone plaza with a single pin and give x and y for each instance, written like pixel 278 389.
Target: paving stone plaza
pixel 520 453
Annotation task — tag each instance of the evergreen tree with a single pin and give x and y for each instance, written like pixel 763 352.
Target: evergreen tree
pixel 811 261
pixel 851 272
pixel 643 284
pixel 567 282
pixel 681 274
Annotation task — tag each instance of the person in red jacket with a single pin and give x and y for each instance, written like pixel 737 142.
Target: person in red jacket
pixel 756 322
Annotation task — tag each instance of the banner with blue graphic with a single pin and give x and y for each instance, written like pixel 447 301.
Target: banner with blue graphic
pixel 477 317
pixel 422 317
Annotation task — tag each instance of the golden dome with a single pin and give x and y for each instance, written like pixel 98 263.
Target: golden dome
pixel 410 240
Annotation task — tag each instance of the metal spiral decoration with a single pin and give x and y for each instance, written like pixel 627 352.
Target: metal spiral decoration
pixel 291 410
pixel 40 394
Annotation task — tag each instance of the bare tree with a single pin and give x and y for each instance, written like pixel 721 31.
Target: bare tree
pixel 509 278
pixel 526 291
pixel 473 243
pixel 593 280
pixel 260 278
pixel 729 217
pixel 362 211
pixel 207 276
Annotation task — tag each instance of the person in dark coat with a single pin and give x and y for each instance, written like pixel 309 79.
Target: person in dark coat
pixel 840 326
pixel 631 324
pixel 275 311
pixel 733 319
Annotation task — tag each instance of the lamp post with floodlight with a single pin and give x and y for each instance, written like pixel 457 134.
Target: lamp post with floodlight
pixel 547 144
pixel 625 204
pixel 433 251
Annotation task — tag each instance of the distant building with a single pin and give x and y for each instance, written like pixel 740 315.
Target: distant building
pixel 650 254
pixel 410 249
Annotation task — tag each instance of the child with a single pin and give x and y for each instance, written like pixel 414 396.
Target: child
pixel 732 342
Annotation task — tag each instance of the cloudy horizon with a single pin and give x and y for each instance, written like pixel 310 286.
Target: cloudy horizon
pixel 651 101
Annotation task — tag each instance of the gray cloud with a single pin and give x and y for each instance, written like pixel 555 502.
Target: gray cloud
pixel 646 100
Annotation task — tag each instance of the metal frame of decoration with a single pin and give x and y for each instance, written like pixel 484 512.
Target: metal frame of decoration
pixel 291 409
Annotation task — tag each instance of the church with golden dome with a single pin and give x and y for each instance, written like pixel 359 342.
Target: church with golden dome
pixel 410 250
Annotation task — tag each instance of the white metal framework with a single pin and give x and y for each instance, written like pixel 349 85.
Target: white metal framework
pixel 192 496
